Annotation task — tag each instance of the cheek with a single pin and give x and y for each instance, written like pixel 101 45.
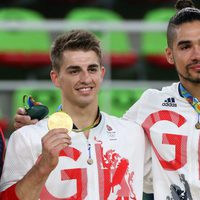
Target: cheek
pixel 180 66
pixel 99 80
pixel 65 84
pixel 182 62
pixel 183 56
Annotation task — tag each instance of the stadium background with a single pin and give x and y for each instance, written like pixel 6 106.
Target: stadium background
pixel 131 65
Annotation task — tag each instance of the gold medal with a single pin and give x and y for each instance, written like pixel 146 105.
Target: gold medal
pixel 89 161
pixel 60 120
pixel 197 125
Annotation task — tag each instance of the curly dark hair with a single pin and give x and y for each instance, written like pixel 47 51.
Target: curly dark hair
pixel 186 12
pixel 183 4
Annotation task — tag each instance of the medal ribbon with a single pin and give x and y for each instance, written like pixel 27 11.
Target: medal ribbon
pixel 75 129
pixel 95 123
pixel 192 100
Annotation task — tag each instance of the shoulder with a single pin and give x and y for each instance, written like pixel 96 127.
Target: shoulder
pixel 150 94
pixel 121 123
pixel 149 100
pixel 28 131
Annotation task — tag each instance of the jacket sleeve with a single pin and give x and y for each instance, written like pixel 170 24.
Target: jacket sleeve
pixel 133 112
pixel 2 150
pixel 9 194
pixel 148 178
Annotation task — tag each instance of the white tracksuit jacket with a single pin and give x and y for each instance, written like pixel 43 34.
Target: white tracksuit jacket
pixel 117 149
pixel 169 123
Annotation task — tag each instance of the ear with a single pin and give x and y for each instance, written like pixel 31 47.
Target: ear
pixel 103 71
pixel 169 55
pixel 55 78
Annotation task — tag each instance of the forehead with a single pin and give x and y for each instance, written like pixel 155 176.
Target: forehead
pixel 189 31
pixel 80 58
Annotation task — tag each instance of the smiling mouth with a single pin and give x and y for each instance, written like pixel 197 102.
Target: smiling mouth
pixel 195 67
pixel 85 89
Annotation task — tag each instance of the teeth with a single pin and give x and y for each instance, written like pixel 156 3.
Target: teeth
pixel 85 89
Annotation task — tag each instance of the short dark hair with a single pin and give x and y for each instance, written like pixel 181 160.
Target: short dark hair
pixel 73 40
pixel 186 12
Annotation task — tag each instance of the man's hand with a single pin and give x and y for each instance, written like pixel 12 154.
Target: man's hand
pixel 21 119
pixel 30 186
pixel 52 143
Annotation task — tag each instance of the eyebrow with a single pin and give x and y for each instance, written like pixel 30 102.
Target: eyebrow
pixel 183 42
pixel 94 65
pixel 71 67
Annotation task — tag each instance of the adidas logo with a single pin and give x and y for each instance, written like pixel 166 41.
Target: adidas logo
pixel 169 102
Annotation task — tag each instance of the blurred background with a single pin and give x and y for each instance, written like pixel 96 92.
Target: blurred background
pixel 133 39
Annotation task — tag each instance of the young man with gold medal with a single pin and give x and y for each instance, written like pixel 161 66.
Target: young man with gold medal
pixel 172 120
pixel 97 157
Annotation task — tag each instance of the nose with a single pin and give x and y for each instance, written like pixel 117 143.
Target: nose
pixel 85 77
pixel 196 53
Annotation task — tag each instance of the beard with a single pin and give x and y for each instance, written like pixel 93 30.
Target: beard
pixel 187 76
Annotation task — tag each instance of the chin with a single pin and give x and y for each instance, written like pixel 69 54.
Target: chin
pixel 195 78
pixel 85 103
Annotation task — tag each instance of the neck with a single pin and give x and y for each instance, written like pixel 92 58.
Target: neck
pixel 192 88
pixel 82 116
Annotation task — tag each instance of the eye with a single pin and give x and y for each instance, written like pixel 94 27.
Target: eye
pixel 185 46
pixel 93 69
pixel 74 71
